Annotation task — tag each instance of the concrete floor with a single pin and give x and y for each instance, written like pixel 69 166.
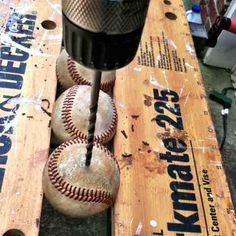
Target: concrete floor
pixel 55 224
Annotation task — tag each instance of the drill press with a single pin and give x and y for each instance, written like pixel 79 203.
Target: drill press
pixel 102 35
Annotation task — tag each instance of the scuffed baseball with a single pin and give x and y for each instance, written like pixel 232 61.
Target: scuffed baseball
pixel 70 73
pixel 70 117
pixel 75 189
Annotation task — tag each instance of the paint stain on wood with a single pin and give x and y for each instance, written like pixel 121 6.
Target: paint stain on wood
pixel 132 128
pixel 156 168
pixel 173 133
pixel 135 117
pixel 145 143
pixel 128 158
pixel 148 100
pixel 124 134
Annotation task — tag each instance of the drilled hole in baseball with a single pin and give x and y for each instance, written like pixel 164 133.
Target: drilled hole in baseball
pixel 14 232
pixel 48 24
pixel 171 16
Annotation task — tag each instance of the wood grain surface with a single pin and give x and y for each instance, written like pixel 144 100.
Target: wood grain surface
pixel 172 179
pixel 29 49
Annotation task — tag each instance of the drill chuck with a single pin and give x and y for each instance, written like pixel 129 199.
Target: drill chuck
pixel 103 34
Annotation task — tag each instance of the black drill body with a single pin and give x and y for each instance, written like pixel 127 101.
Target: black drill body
pixel 100 51
pixel 102 35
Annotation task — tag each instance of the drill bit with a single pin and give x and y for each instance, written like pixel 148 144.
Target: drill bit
pixel 93 115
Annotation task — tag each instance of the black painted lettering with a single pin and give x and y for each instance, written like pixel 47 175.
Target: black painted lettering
pixel 183 172
pixel 215 223
pixel 182 200
pixel 166 95
pixel 163 120
pixel 187 223
pixel 215 229
pixel 169 157
pixel 24 41
pixel 158 234
pixel 205 182
pixel 175 145
pixel 181 185
pixel 183 193
pixel 160 106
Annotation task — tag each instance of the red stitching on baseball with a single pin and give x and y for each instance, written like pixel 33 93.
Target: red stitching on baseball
pixel 73 192
pixel 78 79
pixel 72 129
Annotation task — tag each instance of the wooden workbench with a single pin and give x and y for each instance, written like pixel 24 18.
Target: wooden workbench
pixel 172 179
pixel 30 44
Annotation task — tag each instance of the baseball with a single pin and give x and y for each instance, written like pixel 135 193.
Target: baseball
pixel 70 117
pixel 70 73
pixel 75 189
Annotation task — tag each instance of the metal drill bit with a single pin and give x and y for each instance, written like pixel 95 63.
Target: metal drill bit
pixel 93 115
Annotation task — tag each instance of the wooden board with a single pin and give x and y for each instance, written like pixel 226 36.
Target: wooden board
pixel 172 179
pixel 27 91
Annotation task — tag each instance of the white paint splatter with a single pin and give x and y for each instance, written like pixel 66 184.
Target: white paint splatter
pixel 119 104
pixel 138 69
pixel 181 91
pixel 189 65
pixel 165 77
pixel 8 124
pixel 171 42
pixel 182 88
pixel 203 148
pixel 189 48
pixel 156 150
pixel 7 41
pixel 53 37
pixel 13 212
pixel 158 59
pixel 139 229
pixel 55 7
pixel 216 163
pixel 131 222
pixel 186 100
pixel 154 82
pixel 153 223
pixel 23 8
pixel 26 101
